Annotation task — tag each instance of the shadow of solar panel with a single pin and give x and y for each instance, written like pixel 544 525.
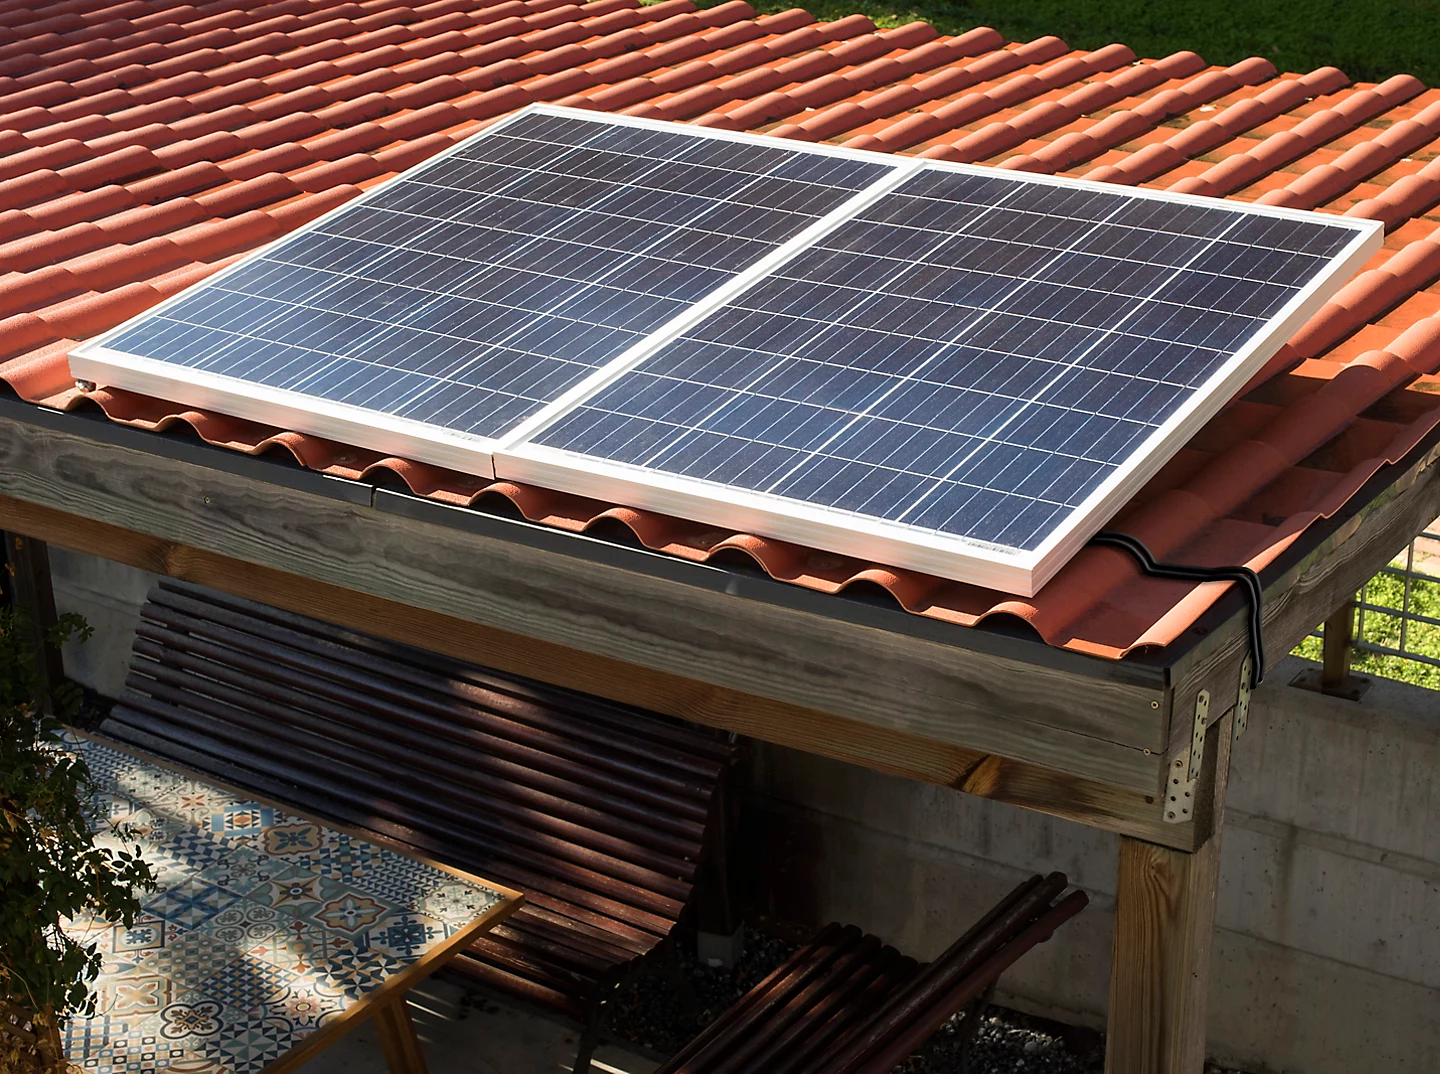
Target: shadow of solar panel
pixel 973 359
pixel 478 287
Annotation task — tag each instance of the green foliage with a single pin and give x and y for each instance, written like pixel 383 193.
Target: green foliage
pixel 50 867
pixel 1369 40
pixel 1388 591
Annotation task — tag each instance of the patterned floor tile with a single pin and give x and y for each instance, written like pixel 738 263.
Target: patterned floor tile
pixel 241 869
pixel 133 1047
pixel 149 933
pixel 398 878
pixel 265 927
pixel 134 996
pixel 240 820
pixel 405 936
pixel 245 922
pixel 354 973
pixel 347 858
pixel 190 903
pixel 246 986
pixel 455 904
pixel 190 957
pixel 308 1005
pixel 254 1045
pixel 86 1037
pixel 201 848
pixel 291 839
pixel 301 946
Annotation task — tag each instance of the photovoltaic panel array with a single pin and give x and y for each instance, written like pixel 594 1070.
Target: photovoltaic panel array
pixel 954 369
pixel 973 357
pixel 473 290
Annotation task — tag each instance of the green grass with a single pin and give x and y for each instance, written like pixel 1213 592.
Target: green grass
pixel 1368 39
pixel 1382 629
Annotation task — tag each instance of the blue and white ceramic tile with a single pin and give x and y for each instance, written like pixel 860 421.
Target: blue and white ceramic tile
pixel 264 926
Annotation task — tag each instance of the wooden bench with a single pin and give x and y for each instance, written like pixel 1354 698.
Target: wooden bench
pixel 848 1004
pixel 597 812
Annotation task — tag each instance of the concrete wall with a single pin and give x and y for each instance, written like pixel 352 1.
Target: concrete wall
pixel 109 596
pixel 1327 957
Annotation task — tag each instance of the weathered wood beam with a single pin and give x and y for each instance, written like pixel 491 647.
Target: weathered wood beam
pixel 1101 729
pixel 900 753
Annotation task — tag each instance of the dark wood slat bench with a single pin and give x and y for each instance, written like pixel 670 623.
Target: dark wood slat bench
pixel 597 812
pixel 848 1004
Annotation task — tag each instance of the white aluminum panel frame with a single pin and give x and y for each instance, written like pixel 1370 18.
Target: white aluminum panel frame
pixel 896 544
pixel 97 362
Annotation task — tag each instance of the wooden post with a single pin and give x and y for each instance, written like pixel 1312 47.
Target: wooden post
pixel 1339 638
pixel 397 1037
pixel 28 563
pixel 1164 931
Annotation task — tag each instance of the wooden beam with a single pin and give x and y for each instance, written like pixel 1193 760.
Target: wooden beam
pixel 1104 728
pixel 402 1048
pixel 897 752
pixel 1164 932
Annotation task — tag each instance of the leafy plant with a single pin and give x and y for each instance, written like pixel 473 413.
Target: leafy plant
pixel 50 867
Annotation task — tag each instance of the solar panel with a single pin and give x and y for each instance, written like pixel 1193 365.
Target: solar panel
pixel 967 377
pixel 456 300
pixel 953 369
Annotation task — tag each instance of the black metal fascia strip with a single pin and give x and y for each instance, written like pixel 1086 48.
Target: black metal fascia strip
pixel 1185 573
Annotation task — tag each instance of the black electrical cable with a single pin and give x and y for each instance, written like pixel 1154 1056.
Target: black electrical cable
pixel 1183 573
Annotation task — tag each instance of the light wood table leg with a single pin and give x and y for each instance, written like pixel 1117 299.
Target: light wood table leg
pixel 1164 931
pixel 397 1038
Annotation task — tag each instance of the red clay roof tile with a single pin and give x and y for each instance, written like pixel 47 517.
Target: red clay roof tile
pixel 143 147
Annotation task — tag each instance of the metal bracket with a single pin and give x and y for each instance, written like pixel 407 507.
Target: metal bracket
pixel 1197 734
pixel 1179 794
pixel 1242 699
pixel 1180 784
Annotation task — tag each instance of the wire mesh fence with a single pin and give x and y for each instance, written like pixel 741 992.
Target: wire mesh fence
pixel 1397 617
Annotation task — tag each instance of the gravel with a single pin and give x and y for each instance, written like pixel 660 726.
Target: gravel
pixel 651 1012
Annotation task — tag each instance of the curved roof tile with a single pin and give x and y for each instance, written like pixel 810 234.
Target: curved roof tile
pixel 144 146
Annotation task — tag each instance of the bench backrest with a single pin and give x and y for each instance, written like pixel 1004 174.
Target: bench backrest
pixel 596 811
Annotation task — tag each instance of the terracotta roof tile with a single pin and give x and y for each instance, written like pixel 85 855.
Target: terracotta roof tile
pixel 144 146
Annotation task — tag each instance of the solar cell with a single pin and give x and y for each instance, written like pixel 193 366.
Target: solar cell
pixel 966 377
pixel 475 288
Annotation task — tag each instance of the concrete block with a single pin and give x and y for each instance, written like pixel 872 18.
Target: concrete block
pixel 109 596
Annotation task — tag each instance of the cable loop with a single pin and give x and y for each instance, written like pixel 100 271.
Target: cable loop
pixel 1183 573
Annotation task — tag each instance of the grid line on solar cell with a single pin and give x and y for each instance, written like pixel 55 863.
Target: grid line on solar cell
pixel 527 279
pixel 952 358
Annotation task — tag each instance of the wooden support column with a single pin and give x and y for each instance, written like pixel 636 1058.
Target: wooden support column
pixel 1339 640
pixel 28 562
pixel 398 1039
pixel 1164 931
